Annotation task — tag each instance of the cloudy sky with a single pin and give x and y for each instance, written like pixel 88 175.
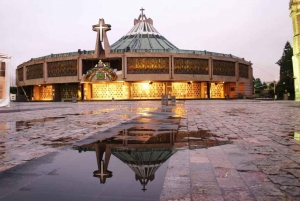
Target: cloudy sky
pixel 256 30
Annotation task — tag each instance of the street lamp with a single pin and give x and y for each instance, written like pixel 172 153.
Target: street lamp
pixel 275 90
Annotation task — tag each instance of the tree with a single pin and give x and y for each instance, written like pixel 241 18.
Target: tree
pixel 286 80
pixel 257 85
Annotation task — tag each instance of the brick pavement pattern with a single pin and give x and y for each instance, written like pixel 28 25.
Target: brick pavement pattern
pixel 261 163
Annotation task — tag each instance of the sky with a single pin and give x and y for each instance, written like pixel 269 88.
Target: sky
pixel 256 30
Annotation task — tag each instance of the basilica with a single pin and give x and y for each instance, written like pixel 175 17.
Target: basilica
pixel 142 64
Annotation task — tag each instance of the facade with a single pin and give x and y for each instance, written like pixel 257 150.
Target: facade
pixel 142 64
pixel 4 80
pixel 295 15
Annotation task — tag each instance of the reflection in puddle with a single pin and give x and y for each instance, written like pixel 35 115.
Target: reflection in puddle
pixel 144 144
pixel 144 161
pixel 297 136
pixel 145 150
pixel 140 149
pixel 21 125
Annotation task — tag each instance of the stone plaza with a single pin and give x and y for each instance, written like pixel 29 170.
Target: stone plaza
pixel 234 150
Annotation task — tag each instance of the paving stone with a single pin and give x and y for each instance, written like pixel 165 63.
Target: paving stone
pixel 265 188
pixel 271 198
pixel 177 182
pixel 295 172
pixel 293 190
pixel 202 176
pixel 285 180
pixel 232 184
pixel 271 170
pixel 226 172
pixel 208 188
pixel 295 147
pixel 206 197
pixel 238 195
pixel 175 194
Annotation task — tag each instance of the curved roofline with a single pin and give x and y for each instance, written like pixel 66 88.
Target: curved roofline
pixel 198 52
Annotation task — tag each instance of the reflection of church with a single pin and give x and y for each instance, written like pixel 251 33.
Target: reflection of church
pixel 142 151
pixel 144 144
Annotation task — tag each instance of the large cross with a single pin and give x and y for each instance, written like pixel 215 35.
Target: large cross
pixel 142 9
pixel 100 27
pixel 102 174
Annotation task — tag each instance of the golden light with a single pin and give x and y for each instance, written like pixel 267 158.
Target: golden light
pixel 145 86
pixel 297 136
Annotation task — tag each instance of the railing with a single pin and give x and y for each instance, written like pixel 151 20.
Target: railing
pixel 176 51
pixel 141 51
pixel 64 54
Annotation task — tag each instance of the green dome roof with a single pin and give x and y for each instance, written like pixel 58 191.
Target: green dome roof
pixel 143 36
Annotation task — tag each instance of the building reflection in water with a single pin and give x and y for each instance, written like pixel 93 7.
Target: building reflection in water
pixel 144 150
pixel 297 136
pixel 141 149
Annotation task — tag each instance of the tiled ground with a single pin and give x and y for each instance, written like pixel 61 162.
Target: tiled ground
pixel 262 163
pixel 30 130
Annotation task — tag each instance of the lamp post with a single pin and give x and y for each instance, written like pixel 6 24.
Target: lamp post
pixel 275 90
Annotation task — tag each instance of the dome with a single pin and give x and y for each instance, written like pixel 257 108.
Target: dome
pixel 143 36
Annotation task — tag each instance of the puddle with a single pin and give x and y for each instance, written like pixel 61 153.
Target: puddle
pixel 21 125
pixel 126 162
pixel 143 144
pixel 297 136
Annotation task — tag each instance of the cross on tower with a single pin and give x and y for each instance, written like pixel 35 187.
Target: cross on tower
pixel 142 9
pixel 100 27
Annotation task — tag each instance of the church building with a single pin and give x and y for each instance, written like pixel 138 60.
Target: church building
pixel 142 64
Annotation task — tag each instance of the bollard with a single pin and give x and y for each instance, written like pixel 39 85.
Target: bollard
pixel 74 99
pixel 173 99
pixel 164 99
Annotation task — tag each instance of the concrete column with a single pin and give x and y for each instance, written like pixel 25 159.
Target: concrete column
pixel 210 68
pixel 250 80
pixel 237 71
pixel 125 67
pixel 24 74
pixel 171 67
pixel 236 89
pixel 208 89
pixel 45 70
pixel 79 68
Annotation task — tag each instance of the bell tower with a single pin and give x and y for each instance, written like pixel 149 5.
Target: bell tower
pixel 295 15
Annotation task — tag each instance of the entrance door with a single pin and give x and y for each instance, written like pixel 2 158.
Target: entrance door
pixel 217 90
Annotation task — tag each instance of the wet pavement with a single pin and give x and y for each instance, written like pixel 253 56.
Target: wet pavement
pixel 193 150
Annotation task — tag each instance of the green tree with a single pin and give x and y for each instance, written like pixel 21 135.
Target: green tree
pixel 258 86
pixel 264 85
pixel 286 80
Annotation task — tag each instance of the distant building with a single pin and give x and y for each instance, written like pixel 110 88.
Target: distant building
pixel 142 64
pixel 295 15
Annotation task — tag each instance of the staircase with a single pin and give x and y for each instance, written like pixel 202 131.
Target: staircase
pixel 22 98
